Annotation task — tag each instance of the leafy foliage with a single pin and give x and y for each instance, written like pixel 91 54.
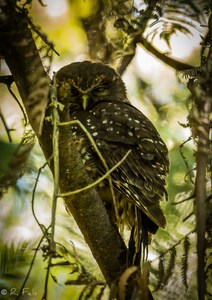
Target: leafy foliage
pixel 181 16
pixel 14 261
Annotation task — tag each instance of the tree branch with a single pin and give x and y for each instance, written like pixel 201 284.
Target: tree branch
pixel 19 51
pixel 177 65
pixel 200 123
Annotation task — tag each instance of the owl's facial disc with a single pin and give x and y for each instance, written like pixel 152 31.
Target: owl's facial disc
pixel 85 84
pixel 98 91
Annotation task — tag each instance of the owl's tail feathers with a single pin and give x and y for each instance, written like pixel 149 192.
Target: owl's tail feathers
pixel 140 238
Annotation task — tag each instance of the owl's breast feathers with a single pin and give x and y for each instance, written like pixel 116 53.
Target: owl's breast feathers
pixel 117 127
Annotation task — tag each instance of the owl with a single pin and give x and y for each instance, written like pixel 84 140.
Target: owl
pixel 97 97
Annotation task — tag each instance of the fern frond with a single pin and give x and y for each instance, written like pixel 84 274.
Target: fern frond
pixel 161 274
pixel 184 267
pixel 182 16
pixel 188 8
pixel 12 258
pixel 171 265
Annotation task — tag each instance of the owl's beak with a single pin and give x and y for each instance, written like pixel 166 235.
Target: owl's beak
pixel 85 101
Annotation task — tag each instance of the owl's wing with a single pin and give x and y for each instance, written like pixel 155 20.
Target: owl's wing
pixel 141 176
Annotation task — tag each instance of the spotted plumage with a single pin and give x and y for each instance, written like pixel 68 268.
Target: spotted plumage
pixel 97 98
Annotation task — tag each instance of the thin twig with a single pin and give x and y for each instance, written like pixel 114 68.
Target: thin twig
pixel 33 199
pixel 55 146
pixel 6 127
pixel 31 266
pixel 20 106
pixel 98 180
pixel 44 231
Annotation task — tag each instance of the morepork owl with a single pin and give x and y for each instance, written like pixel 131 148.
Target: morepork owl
pixel 97 98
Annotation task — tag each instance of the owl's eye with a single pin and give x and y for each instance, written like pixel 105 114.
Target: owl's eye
pixel 74 91
pixel 99 89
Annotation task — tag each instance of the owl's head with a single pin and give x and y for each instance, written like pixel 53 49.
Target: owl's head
pixel 83 84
